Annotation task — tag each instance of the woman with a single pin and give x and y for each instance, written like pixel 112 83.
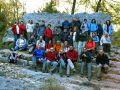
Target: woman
pixel 108 28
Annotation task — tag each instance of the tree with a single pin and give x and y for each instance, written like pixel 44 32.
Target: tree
pixel 50 7
pixel 73 7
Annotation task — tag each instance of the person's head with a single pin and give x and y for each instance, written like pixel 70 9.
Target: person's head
pixel 101 52
pixel 31 21
pixel 22 22
pixel 66 43
pixel 52 49
pixel 42 22
pixel 58 42
pixel 41 38
pixel 90 39
pixel 106 35
pixel 65 30
pixel 49 26
pixel 75 28
pixel 21 36
pixel 94 34
pixel 108 22
pixel 37 24
pixel 71 48
pixel 93 21
pixel 50 41
pixel 85 20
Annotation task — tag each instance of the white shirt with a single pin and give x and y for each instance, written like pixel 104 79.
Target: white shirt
pixel 74 35
pixel 30 27
pixel 105 40
pixel 17 29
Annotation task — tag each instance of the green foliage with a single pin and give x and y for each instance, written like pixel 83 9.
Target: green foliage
pixel 50 7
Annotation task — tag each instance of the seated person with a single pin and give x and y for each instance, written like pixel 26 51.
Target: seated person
pixel 105 42
pixel 86 60
pixel 38 55
pixel 21 43
pixel 58 46
pixel 65 46
pixel 90 46
pixel 31 43
pixel 51 60
pixel 72 56
pixel 40 43
pixel 61 61
pixel 102 62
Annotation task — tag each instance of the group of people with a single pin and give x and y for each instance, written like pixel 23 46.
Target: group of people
pixel 65 45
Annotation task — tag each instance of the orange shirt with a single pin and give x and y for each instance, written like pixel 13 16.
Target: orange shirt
pixel 57 47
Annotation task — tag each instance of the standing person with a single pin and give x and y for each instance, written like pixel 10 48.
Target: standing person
pixel 102 63
pixel 30 28
pixel 76 22
pixel 82 40
pixel 40 43
pixel 36 30
pixel 100 30
pixel 105 42
pixel 17 31
pixel 41 30
pixel 75 37
pixel 48 34
pixel 93 27
pixel 85 24
pixel 86 60
pixel 72 57
pixel 51 60
pixel 64 35
pixel 108 28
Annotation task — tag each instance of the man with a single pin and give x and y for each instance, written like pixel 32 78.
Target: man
pixel 86 60
pixel 51 60
pixel 38 55
pixel 102 62
pixel 72 57
pixel 40 43
pixel 21 43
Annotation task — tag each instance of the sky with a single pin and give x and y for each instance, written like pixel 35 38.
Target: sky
pixel 34 5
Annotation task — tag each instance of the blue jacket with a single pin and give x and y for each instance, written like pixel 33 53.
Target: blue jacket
pixel 39 53
pixel 95 39
pixel 41 30
pixel 93 27
pixel 66 24
pixel 110 29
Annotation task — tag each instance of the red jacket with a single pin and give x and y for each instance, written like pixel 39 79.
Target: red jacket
pixel 48 46
pixel 48 33
pixel 22 29
pixel 73 55
pixel 51 56
pixel 90 45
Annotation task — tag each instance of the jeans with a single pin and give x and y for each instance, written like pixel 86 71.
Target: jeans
pixel 16 36
pixel 21 48
pixel 89 69
pixel 99 69
pixel 62 65
pixel 81 46
pixel 70 65
pixel 48 63
pixel 34 60
pixel 75 44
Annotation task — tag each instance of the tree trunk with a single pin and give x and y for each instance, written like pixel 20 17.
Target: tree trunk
pixel 73 7
pixel 98 5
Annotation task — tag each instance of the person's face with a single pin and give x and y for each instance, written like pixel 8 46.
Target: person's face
pixel 108 22
pixel 71 48
pixel 75 29
pixel 41 38
pixel 52 50
pixel 101 52
pixel 66 43
pixel 90 40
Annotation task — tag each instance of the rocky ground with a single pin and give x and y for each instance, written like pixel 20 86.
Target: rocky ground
pixel 22 77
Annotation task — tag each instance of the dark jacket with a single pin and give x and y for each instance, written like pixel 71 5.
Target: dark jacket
pixel 83 36
pixel 102 59
pixel 86 59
